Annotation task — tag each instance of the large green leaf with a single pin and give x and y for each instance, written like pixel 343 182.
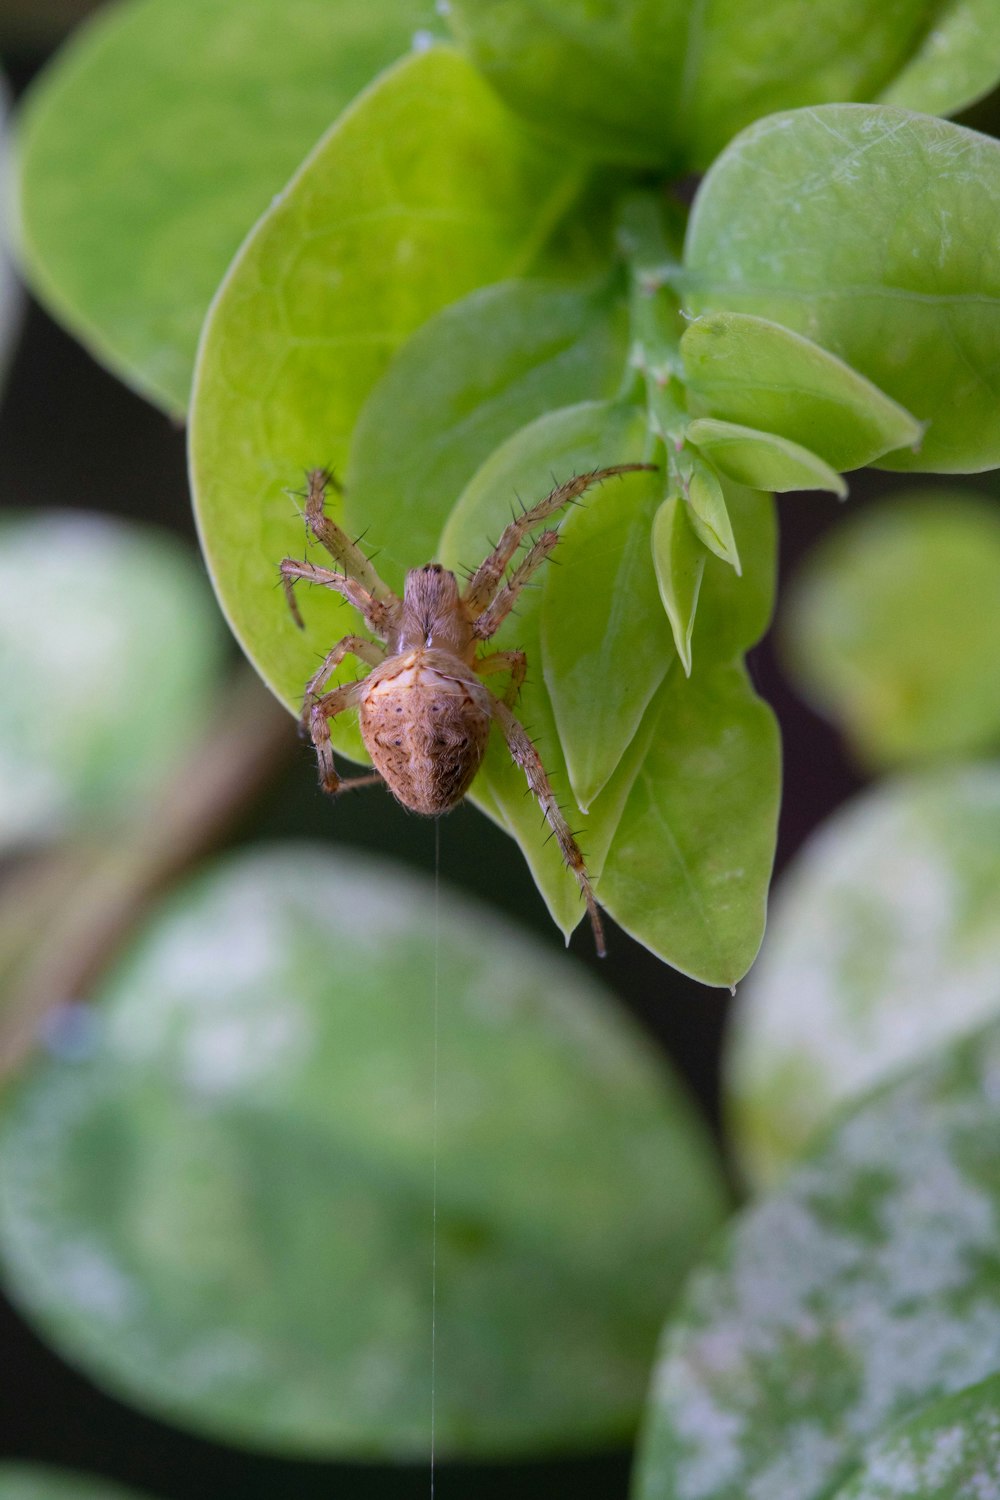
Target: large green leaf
pixel 884 942
pixel 226 1212
pixel 640 80
pixel 867 1286
pixel 34 1482
pixel 751 371
pixel 425 189
pixel 892 627
pixel 468 379
pixel 950 1450
pixel 108 655
pixel 876 233
pixel 157 137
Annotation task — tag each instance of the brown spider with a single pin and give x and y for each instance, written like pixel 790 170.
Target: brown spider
pixel 424 715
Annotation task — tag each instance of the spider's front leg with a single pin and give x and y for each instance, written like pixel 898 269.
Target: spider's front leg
pixel 486 580
pixel 339 545
pixel 376 612
pixel 527 757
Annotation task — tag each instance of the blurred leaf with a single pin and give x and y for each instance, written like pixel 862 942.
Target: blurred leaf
pixel 956 63
pixel 36 1482
pixel 761 459
pixel 679 560
pixel 892 627
pixel 109 650
pixel 748 370
pixel 884 942
pixel 156 138
pixel 866 1287
pixel 224 1214
pixel 671 83
pixel 461 197
pixel 950 1450
pixel 470 377
pixel 876 233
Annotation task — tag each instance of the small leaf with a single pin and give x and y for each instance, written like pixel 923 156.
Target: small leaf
pixel 892 628
pixel 223 1213
pixel 338 273
pixel 948 1450
pixel 679 560
pixel 883 944
pixel 114 621
pixel 867 1286
pixel 876 233
pixel 38 1482
pixel 749 370
pixel 465 381
pixel 761 459
pixel 957 62
pixel 708 514
pixel 127 221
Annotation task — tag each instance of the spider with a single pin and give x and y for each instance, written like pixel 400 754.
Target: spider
pixel 424 714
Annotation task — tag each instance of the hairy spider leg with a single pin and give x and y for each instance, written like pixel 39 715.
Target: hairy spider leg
pixel 376 612
pixel 351 645
pixel 514 662
pixel 488 576
pixel 320 713
pixel 337 542
pixel 527 757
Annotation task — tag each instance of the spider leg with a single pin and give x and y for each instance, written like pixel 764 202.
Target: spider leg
pixel 514 662
pixel 339 545
pixel 487 578
pixel 489 622
pixel 376 612
pixel 526 756
pixel 319 715
pixel 354 645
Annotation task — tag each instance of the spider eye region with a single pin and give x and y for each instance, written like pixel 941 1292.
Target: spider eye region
pixel 425 720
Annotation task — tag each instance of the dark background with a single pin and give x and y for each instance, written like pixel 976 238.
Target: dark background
pixel 72 436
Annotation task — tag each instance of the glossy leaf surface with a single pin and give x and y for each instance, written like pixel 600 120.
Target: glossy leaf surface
pixel 335 277
pixel 108 656
pixel 864 1288
pixel 842 223
pixel 224 1212
pixel 892 628
pixel 884 942
pixel 755 372
pixel 157 137
pixel 465 381
pixel 761 459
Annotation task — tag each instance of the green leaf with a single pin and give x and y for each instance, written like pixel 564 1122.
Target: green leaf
pixel 884 943
pixel 224 1213
pixel 749 370
pixel 335 277
pixel 572 441
pixel 679 560
pixel 761 459
pixel 892 628
pixel 671 83
pixel 708 514
pixel 950 1450
pixel 864 1288
pixel 156 138
pixel 688 870
pixel 957 62
pixel 465 381
pixel 108 657
pixel 38 1482
pixel 876 233
pixel 605 644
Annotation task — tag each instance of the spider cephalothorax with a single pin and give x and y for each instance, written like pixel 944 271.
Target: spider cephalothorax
pixel 424 713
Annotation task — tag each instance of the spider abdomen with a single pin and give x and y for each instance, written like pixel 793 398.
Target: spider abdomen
pixel 425 720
